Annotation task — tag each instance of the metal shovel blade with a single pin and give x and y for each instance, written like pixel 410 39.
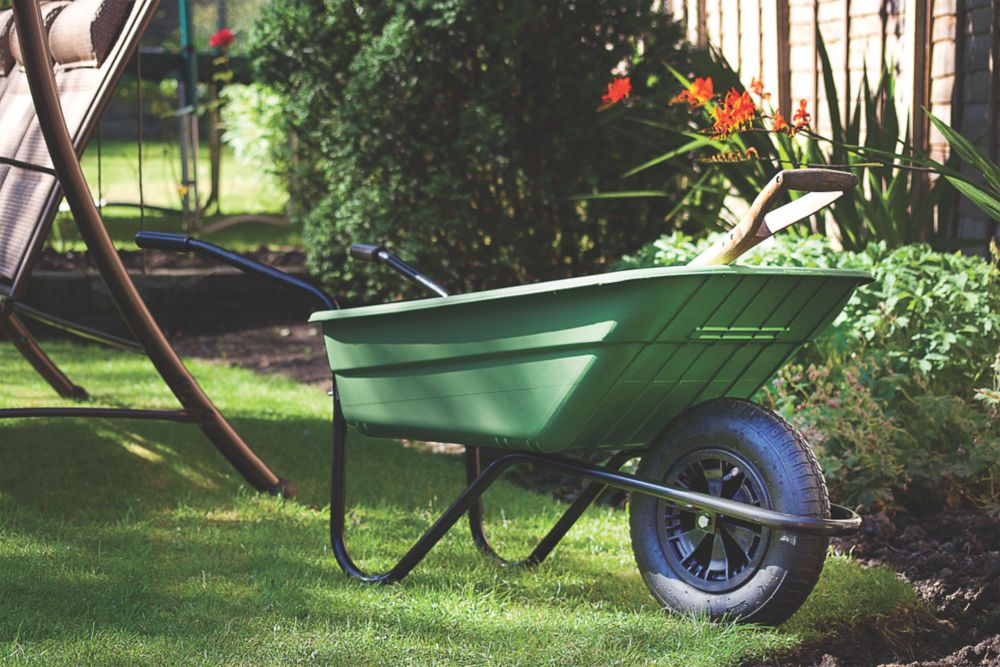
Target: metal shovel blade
pixel 803 207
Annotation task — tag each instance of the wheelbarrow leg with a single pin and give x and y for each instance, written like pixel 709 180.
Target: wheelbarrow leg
pixel 572 514
pixel 338 508
pixel 467 501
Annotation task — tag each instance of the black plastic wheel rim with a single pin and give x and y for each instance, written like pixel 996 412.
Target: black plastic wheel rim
pixel 714 553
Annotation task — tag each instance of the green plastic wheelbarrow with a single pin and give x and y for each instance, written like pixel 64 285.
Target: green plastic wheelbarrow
pixel 729 512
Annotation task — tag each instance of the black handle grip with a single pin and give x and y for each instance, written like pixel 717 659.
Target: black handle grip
pixel 163 241
pixel 366 251
pixel 371 252
pixel 182 243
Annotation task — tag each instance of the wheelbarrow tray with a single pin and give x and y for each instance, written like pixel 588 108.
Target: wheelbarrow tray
pixel 599 362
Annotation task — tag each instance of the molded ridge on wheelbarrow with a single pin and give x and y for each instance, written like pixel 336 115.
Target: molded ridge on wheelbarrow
pixel 601 362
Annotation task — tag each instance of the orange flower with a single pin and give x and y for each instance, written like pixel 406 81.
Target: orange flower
pixel 700 92
pixel 618 90
pixel 732 156
pixel 779 124
pixel 736 112
pixel 757 86
pixel 801 117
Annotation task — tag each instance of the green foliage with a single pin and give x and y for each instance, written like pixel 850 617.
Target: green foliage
pixel 936 314
pixel 888 439
pixel 885 206
pixel 255 127
pixel 459 132
pixel 892 178
pixel 985 196
pixel 886 395
pixel 990 396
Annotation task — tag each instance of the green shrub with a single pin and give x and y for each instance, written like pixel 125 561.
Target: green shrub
pixel 931 313
pixel 255 128
pixel 887 439
pixel 458 132
pixel 887 395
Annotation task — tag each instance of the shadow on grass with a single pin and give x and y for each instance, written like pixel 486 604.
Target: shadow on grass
pixel 135 541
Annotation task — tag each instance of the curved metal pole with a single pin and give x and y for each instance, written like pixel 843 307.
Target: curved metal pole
pixel 583 500
pixel 465 501
pixel 44 94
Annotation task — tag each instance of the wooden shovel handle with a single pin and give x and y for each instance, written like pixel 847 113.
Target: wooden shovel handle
pixel 745 235
pixel 817 180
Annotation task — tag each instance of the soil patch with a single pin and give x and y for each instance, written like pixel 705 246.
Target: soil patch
pixel 951 558
pixel 293 350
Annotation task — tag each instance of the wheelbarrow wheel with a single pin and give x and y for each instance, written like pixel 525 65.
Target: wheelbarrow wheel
pixel 709 564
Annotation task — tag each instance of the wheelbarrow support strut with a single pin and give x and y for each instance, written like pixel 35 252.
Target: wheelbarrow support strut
pixel 845 522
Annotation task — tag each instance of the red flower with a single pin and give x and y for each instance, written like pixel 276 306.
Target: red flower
pixel 222 38
pixel 734 113
pixel 618 90
pixel 700 92
pixel 779 124
pixel 757 86
pixel 801 117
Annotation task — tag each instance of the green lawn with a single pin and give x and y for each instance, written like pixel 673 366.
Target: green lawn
pixel 126 542
pixel 243 190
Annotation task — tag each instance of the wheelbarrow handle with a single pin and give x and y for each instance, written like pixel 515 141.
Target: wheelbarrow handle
pixel 759 223
pixel 185 243
pixel 371 252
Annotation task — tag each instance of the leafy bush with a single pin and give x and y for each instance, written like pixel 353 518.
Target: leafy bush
pixel 254 126
pixel 932 313
pixel 887 439
pixel 256 129
pixel 887 394
pixel 458 132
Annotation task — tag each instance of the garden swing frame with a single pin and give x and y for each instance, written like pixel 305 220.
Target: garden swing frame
pixel 195 406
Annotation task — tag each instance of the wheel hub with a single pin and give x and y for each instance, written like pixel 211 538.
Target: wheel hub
pixel 710 551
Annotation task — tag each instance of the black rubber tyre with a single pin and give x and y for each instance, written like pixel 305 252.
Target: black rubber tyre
pixel 729 569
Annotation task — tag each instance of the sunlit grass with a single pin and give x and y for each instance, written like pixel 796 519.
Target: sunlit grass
pixel 115 178
pixel 125 542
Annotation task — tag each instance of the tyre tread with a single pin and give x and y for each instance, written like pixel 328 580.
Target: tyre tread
pixel 802 470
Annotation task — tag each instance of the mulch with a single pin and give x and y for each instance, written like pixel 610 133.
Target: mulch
pixel 951 558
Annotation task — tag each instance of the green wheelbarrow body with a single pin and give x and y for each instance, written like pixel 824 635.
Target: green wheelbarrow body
pixel 601 362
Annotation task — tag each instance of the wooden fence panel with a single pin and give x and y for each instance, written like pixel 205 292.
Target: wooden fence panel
pixel 945 55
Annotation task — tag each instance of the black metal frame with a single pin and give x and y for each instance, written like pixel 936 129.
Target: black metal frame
pixel 478 478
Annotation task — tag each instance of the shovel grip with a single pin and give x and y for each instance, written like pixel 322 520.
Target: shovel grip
pixel 817 180
pixel 746 234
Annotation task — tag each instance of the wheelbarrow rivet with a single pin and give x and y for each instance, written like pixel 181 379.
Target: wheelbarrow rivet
pixel 704 521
